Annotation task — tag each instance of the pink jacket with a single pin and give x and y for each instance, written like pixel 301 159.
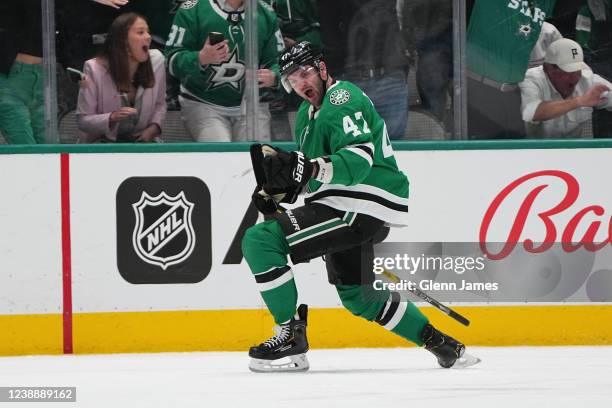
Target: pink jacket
pixel 99 97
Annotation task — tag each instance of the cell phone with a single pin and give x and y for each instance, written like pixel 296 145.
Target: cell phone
pixel 75 75
pixel 215 37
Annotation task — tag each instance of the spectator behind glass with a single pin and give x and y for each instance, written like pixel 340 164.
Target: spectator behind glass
pixel 122 98
pixel 500 38
pixel 548 35
pixel 558 98
pixel 427 30
pixel 362 44
pixel 212 75
pixel 22 102
pixel 594 34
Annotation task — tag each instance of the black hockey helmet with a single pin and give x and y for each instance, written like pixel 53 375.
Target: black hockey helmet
pixel 299 54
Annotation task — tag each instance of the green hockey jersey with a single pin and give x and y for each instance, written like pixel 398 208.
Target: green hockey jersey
pixel 220 85
pixel 501 35
pixel 348 133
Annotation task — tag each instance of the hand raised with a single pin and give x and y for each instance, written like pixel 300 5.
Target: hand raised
pixel 214 54
pixel 113 3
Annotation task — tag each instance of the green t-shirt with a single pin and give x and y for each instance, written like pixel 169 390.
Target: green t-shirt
pixel 350 134
pixel 501 35
pixel 223 84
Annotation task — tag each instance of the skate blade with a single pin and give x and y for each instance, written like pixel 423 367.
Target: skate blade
pixel 297 363
pixel 466 360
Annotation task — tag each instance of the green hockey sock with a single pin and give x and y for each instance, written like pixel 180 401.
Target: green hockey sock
pixel 384 307
pixel 265 249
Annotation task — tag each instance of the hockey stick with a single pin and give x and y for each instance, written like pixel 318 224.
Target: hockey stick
pixel 444 309
pixel 257 157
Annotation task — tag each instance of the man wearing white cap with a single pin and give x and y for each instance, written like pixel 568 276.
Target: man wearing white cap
pixel 557 98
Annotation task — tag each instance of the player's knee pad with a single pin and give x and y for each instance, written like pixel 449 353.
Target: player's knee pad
pixel 362 300
pixel 263 238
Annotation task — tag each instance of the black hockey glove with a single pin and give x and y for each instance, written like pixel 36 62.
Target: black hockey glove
pixel 270 203
pixel 287 169
pixel 264 202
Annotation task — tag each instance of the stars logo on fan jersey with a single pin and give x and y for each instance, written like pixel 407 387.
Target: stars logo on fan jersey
pixel 339 97
pixel 229 73
pixel 525 30
pixel 187 4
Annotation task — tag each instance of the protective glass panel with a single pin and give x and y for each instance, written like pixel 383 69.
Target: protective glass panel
pixel 22 73
pixel 539 69
pixel 112 81
pixel 398 52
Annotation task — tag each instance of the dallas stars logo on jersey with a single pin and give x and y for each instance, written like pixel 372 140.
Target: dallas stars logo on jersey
pixel 339 97
pixel 228 73
pixel 187 4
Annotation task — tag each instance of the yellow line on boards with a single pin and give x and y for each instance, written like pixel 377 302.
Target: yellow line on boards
pixel 31 334
pixel 236 330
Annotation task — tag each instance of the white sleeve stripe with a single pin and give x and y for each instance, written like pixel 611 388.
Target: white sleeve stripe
pixel 369 146
pixel 360 152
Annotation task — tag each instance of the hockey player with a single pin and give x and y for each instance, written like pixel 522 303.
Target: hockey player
pixel 354 188
pixel 212 75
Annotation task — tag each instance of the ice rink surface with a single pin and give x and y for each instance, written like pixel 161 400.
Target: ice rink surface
pixel 517 377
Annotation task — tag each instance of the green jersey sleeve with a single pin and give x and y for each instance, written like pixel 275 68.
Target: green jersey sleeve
pixel 184 44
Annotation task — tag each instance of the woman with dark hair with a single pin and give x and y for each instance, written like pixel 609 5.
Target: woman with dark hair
pixel 122 98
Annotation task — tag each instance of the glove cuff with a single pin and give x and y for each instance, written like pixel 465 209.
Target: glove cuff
pixel 325 171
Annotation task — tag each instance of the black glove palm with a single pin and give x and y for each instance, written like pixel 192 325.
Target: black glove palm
pixel 269 202
pixel 263 202
pixel 287 169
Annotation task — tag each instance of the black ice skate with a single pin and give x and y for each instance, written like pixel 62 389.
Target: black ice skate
pixel 289 344
pixel 450 352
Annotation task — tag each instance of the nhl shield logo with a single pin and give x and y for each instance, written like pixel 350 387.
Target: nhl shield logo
pixel 163 232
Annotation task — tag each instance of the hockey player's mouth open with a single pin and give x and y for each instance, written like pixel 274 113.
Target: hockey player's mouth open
pixel 312 95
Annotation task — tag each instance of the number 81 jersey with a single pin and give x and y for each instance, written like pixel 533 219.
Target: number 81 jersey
pixel 222 84
pixel 350 140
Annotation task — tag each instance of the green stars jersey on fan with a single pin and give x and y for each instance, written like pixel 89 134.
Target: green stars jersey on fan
pixel 221 85
pixel 349 132
pixel 501 35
